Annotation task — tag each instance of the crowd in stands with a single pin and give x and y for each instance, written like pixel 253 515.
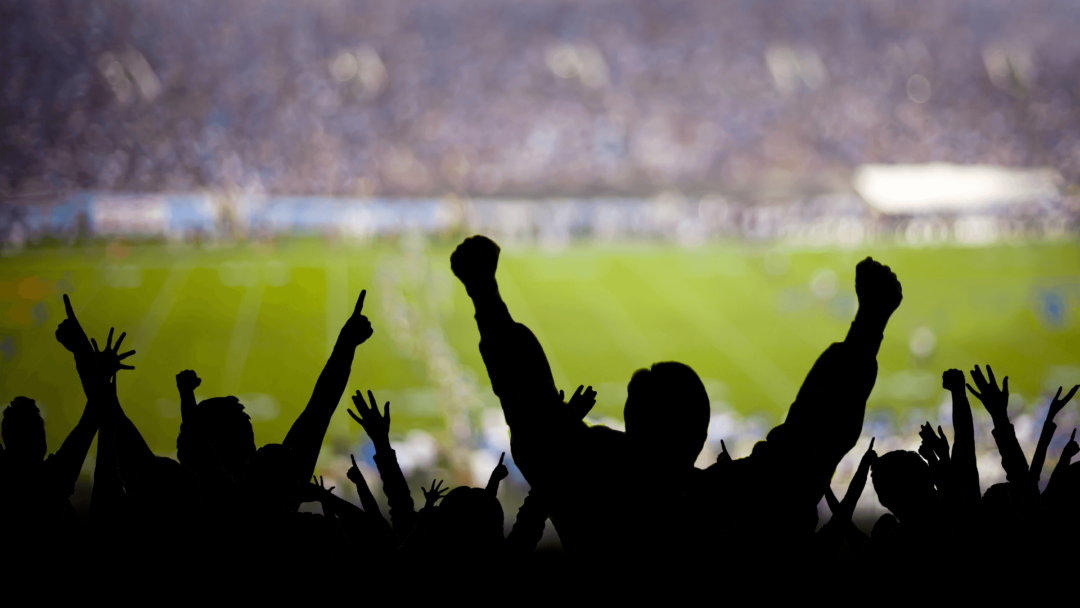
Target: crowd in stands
pixel 226 507
pixel 525 97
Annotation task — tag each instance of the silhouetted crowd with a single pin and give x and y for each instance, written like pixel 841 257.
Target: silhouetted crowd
pixel 227 508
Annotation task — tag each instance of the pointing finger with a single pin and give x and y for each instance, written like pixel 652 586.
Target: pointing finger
pixel 501 458
pixel 67 307
pixel 871 444
pixel 360 302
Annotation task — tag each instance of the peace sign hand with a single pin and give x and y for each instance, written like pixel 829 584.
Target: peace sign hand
pixel 1058 403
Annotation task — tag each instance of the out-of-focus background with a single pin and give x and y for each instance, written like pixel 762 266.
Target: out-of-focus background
pixel 690 181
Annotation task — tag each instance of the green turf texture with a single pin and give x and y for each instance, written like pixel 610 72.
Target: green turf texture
pixel 257 319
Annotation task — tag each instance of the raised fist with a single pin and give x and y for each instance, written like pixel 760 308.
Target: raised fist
pixel 952 380
pixel 877 287
pixel 475 260
pixel 187 381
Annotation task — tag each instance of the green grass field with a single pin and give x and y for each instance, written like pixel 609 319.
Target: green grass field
pixel 258 321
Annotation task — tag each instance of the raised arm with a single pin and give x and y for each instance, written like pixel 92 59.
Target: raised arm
pixel 965 492
pixel 396 488
pixel 66 464
pixel 306 435
pixel 826 419
pixel 516 363
pixel 528 527
pixel 1047 435
pixel 996 402
pixel 1058 479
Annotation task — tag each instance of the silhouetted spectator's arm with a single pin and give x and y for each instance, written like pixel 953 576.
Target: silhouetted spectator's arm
pixel 396 488
pixel 826 419
pixel 935 449
pixel 1058 479
pixel 516 363
pixel 213 476
pixel 107 497
pixel 1047 434
pixel 963 470
pixel 65 465
pixel 996 402
pixel 418 539
pixel 380 528
pixel 306 435
pixel 528 527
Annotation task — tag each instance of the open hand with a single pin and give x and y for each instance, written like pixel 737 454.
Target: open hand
pixel 109 360
pixel 937 444
pixel 434 494
pixel 995 400
pixel 70 333
pixel 952 380
pixel 375 425
pixel 358 328
pixel 187 381
pixel 475 260
pixel 1058 403
pixel 580 403
pixel 877 288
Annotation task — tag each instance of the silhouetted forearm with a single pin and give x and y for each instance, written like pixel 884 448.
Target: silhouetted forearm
pixel 67 462
pixel 306 435
pixel 402 509
pixel 528 527
pixel 517 366
pixel 108 495
pixel 963 466
pixel 1012 456
pixel 1058 480
pixel 1035 472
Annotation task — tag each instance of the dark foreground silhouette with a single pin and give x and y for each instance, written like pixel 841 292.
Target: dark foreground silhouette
pixel 226 512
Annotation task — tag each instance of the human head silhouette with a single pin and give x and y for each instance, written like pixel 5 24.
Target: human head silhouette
pixel 667 413
pixel 23 431
pixel 270 479
pixel 903 483
pixel 228 430
pixel 470 520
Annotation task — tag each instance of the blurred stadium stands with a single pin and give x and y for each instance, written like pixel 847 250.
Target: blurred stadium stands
pixel 536 98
